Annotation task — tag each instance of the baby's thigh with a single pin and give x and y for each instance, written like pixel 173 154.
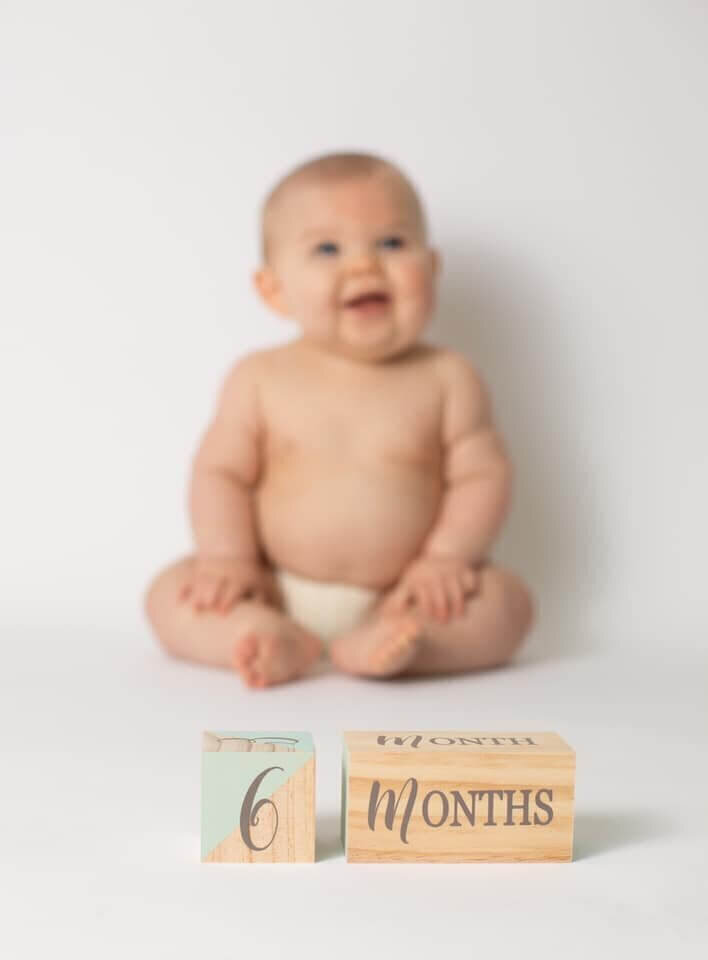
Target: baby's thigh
pixel 165 587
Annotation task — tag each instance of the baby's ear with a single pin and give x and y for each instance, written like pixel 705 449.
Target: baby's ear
pixel 266 284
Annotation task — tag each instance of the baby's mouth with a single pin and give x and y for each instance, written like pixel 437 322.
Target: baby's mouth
pixel 367 303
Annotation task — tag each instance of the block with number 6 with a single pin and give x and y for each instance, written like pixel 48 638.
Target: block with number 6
pixel 258 797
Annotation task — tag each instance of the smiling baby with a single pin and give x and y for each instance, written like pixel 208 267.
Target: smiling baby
pixel 345 496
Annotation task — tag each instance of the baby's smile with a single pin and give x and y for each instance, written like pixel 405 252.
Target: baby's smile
pixel 370 304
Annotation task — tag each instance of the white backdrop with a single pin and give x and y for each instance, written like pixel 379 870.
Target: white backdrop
pixel 561 151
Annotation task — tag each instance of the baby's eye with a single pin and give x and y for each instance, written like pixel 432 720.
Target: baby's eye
pixel 326 247
pixel 392 242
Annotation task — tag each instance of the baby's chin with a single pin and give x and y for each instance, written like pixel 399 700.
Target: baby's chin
pixel 374 342
pixel 371 343
pixel 370 349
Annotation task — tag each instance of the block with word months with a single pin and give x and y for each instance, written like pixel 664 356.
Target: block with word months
pixel 457 797
pixel 258 797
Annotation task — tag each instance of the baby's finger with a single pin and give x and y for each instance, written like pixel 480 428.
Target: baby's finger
pixel 439 599
pixel 227 597
pixel 197 595
pixel 457 596
pixel 470 579
pixel 424 600
pixel 205 593
pixel 212 594
pixel 219 590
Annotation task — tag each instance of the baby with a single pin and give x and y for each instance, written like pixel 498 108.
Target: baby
pixel 346 493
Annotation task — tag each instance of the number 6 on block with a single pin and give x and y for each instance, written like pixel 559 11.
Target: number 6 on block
pixel 258 797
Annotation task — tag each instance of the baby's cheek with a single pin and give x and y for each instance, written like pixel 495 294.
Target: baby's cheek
pixel 321 290
pixel 413 274
pixel 314 299
pixel 415 286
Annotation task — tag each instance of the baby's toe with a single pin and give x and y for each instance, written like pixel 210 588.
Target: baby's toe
pixel 253 678
pixel 398 648
pixel 407 632
pixel 264 667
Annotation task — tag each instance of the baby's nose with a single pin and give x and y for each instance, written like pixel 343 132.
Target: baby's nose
pixel 363 261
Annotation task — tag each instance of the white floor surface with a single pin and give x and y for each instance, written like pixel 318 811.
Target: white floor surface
pixel 99 833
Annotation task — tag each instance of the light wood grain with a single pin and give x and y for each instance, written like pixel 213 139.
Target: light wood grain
pixel 445 812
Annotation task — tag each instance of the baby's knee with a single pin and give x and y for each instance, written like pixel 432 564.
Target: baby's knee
pixel 152 597
pixel 162 592
pixel 523 611
pixel 515 608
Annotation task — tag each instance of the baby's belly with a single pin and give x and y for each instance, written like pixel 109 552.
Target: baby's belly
pixel 331 522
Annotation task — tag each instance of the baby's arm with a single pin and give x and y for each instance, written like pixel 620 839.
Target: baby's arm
pixel 477 471
pixel 477 477
pixel 225 471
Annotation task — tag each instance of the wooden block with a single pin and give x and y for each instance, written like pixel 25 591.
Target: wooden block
pixel 258 797
pixel 456 797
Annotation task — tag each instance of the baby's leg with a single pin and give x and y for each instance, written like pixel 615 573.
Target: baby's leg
pixel 261 643
pixel 491 629
pixel 381 646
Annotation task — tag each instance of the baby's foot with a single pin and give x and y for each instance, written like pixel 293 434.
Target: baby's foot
pixel 382 649
pixel 265 656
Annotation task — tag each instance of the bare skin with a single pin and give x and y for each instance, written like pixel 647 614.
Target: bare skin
pixel 353 454
pixel 254 638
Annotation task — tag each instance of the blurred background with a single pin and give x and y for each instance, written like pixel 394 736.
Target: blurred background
pixel 561 151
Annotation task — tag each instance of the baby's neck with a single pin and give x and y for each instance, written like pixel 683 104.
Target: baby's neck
pixel 323 354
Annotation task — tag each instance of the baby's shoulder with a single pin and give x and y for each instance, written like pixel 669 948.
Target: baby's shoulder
pixel 453 368
pixel 466 397
pixel 241 384
pixel 253 366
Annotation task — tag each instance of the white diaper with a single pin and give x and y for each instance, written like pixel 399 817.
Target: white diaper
pixel 322 607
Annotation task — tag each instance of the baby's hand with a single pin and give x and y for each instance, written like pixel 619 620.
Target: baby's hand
pixel 217 583
pixel 437 585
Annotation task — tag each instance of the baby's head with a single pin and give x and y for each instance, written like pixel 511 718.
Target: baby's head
pixel 335 229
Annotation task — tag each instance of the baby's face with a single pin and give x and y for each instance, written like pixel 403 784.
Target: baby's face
pixel 336 243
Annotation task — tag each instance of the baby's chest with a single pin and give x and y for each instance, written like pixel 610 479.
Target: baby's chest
pixel 358 429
